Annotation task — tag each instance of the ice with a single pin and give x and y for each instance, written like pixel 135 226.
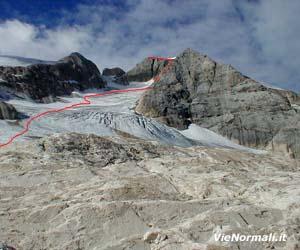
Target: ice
pixel 210 138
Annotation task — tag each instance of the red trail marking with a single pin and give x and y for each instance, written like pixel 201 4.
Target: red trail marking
pixel 86 101
pixel 161 58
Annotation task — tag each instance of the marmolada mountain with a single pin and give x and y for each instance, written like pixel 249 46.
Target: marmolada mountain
pixel 164 156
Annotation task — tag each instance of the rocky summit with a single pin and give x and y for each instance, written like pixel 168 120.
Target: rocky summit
pixel 43 82
pixel 113 72
pixel 146 70
pixel 117 75
pixel 196 89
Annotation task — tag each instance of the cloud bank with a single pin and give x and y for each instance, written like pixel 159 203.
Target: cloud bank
pixel 260 38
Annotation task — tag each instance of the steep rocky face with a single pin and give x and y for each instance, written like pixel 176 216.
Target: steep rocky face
pixel 146 70
pixel 8 111
pixel 198 90
pixel 287 140
pixel 116 75
pixel 41 81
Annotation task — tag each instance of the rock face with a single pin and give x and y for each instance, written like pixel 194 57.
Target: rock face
pixel 116 75
pixel 8 111
pixel 43 81
pixel 146 70
pixel 198 90
pixel 287 140
pixel 77 191
pixel 113 72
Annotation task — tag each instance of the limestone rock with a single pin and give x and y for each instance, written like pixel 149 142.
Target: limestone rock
pixel 287 141
pixel 73 191
pixel 116 75
pixel 146 70
pixel 151 236
pixel 41 82
pixel 8 111
pixel 196 89
pixel 89 148
pixel 113 72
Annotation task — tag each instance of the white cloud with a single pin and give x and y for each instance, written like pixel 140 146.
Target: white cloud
pixel 24 39
pixel 261 38
pixel 275 27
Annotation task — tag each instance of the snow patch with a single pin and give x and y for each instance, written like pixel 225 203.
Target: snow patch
pixel 213 139
pixel 271 86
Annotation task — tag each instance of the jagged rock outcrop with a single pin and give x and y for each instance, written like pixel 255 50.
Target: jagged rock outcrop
pixel 8 111
pixel 91 149
pixel 116 75
pixel 198 90
pixel 113 72
pixel 146 70
pixel 41 82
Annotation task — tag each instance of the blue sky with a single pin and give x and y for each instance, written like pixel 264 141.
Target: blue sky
pixel 259 38
pixel 46 12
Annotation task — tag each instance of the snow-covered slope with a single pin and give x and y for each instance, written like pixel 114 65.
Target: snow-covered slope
pixel 208 137
pixel 20 61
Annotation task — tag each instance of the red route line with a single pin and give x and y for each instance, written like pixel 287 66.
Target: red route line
pixel 85 102
pixel 160 58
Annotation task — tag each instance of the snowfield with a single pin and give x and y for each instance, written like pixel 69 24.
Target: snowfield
pixel 210 138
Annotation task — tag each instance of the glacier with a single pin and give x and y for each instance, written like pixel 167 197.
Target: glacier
pixel 105 117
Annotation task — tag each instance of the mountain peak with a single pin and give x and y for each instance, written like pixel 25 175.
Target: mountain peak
pixel 75 57
pixel 76 54
pixel 190 51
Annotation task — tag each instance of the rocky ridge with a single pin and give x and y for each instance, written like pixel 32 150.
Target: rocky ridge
pixel 43 82
pixel 196 89
pixel 116 75
pixel 113 72
pixel 146 70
